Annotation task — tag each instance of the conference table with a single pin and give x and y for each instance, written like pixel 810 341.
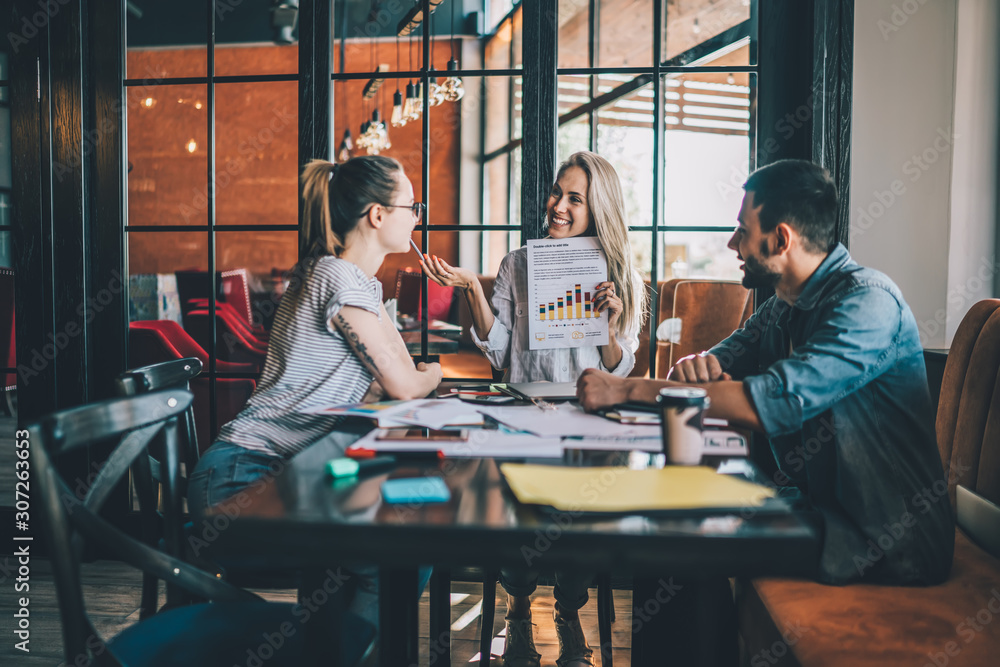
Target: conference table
pixel 302 519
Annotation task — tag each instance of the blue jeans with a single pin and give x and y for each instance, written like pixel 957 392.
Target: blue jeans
pixel 226 470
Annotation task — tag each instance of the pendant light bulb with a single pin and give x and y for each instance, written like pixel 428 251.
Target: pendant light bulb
pixel 397 119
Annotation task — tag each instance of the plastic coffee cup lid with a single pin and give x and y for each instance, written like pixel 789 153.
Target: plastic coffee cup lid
pixel 682 396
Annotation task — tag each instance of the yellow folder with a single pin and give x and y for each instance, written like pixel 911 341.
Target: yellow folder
pixel 620 489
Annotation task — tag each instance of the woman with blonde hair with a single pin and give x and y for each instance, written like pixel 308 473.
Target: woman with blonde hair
pixel 332 341
pixel 585 200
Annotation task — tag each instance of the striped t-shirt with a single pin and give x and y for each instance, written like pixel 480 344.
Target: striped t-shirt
pixel 308 363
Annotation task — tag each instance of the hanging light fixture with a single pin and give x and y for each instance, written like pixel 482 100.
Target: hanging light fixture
pixel 398 118
pixel 413 107
pixel 435 95
pixel 344 152
pixel 453 88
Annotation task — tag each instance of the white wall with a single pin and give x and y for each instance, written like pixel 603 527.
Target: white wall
pixel 972 260
pixel 924 152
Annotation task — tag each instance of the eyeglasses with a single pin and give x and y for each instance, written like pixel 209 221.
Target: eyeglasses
pixel 416 207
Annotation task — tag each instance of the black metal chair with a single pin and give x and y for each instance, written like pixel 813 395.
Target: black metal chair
pixel 148 472
pixel 234 625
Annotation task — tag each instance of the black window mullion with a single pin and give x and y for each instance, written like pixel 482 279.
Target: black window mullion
pixel 210 191
pixel 425 167
pixel 658 163
pixel 594 28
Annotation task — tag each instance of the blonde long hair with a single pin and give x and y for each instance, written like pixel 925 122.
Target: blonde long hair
pixel 607 215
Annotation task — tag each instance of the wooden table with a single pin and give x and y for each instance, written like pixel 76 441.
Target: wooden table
pixel 311 523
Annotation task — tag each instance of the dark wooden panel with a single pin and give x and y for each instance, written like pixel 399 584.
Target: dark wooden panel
pixel 541 20
pixel 107 335
pixel 69 151
pixel 30 234
pixel 832 83
pixel 784 93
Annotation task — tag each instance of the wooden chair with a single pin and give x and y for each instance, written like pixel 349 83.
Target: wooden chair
pixel 706 312
pixel 148 473
pixel 220 633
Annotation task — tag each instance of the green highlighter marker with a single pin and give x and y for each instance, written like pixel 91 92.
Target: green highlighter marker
pixel 344 467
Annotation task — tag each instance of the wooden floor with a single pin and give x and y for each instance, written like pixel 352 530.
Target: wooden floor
pixel 112 594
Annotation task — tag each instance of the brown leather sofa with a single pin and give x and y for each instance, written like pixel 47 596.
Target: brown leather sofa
pixel 957 623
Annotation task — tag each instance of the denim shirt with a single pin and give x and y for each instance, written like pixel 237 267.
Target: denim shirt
pixel 839 383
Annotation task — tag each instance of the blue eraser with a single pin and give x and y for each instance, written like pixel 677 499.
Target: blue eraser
pixel 415 490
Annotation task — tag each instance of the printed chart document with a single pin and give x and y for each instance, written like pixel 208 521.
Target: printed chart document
pixel 562 279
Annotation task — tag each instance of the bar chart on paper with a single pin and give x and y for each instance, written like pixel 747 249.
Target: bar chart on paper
pixel 575 305
pixel 562 280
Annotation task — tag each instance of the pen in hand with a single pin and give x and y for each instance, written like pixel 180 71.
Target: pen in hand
pixel 416 249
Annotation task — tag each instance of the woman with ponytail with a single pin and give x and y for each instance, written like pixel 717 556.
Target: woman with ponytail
pixel 585 200
pixel 332 341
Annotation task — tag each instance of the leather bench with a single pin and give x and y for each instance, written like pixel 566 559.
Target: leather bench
pixel 796 622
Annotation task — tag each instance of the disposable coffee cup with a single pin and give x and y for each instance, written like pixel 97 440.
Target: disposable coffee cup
pixel 681 410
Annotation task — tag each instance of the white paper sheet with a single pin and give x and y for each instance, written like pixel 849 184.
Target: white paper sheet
pixel 481 443
pixel 428 413
pixel 563 275
pixel 567 420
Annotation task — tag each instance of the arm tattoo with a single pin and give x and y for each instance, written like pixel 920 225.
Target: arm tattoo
pixel 359 348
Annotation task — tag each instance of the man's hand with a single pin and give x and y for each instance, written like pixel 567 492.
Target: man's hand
pixel 597 389
pixel 698 368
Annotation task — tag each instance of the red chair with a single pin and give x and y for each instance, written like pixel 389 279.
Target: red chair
pixel 255 332
pixel 156 341
pixel 235 290
pixel 408 301
pixel 232 342
pixel 193 287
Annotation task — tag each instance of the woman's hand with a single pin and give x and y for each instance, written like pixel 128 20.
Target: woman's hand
pixel 444 274
pixel 606 299
pixel 433 370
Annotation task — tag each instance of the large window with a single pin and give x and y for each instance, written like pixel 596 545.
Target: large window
pixel 666 93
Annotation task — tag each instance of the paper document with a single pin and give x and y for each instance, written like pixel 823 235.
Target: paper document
pixel 563 275
pixel 621 489
pixel 566 420
pixel 481 443
pixel 428 413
